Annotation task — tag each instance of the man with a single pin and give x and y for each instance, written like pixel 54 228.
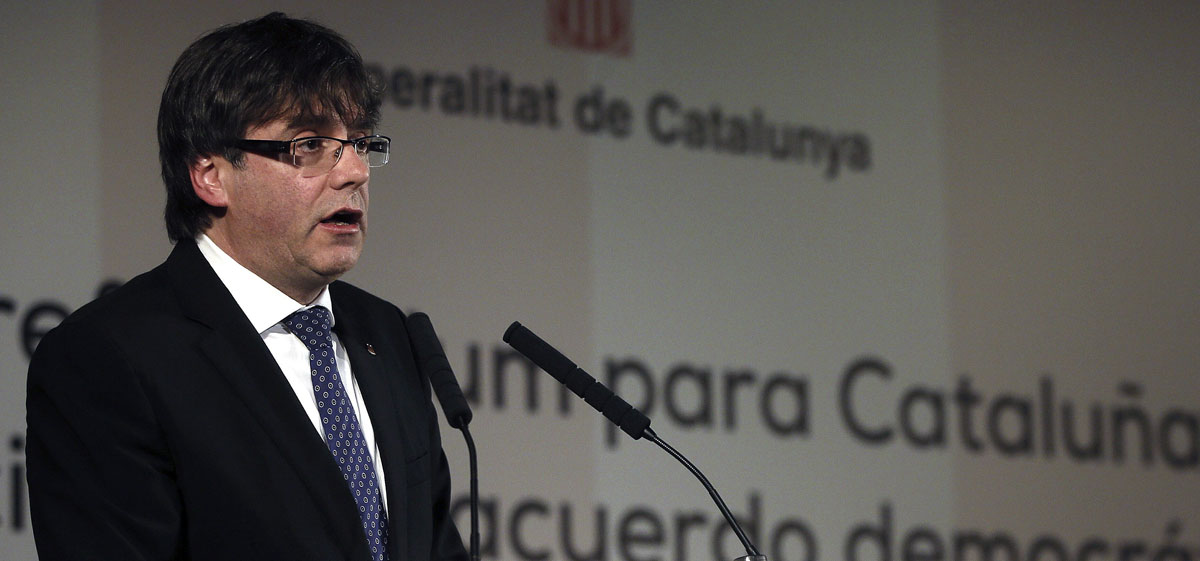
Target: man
pixel 203 410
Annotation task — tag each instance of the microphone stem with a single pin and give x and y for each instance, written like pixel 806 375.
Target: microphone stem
pixel 712 491
pixel 474 493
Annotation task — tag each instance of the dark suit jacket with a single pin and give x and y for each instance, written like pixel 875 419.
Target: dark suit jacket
pixel 160 427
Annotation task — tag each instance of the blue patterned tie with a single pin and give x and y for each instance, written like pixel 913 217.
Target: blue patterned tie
pixel 342 432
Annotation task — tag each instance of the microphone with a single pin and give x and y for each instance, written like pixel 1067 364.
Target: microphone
pixel 617 410
pixel 620 412
pixel 431 361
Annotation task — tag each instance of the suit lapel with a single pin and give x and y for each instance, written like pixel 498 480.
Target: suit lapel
pixel 240 356
pixel 375 372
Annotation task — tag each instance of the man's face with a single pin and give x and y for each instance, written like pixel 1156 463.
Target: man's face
pixel 298 233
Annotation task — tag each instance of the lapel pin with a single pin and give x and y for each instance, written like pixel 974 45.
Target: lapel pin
pixel 370 349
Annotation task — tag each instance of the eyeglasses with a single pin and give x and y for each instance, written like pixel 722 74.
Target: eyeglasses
pixel 317 155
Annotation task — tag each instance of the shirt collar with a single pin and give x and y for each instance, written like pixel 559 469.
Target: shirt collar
pixel 264 305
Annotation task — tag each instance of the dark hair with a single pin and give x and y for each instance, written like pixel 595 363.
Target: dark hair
pixel 245 75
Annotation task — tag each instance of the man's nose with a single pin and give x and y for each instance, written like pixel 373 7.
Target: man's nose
pixel 351 169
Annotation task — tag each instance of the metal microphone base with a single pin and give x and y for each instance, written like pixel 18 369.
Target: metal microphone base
pixel 752 558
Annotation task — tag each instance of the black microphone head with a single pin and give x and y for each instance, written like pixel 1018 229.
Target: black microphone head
pixel 508 333
pixel 541 353
pixel 431 359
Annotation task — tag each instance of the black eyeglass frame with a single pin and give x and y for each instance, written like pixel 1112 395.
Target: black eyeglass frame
pixel 278 148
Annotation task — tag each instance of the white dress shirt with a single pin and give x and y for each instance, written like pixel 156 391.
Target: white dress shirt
pixel 266 307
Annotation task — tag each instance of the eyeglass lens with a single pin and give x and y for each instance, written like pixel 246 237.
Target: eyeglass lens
pixel 322 154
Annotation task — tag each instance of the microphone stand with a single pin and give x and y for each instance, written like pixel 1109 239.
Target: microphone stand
pixel 633 422
pixel 474 493
pixel 431 360
pixel 752 553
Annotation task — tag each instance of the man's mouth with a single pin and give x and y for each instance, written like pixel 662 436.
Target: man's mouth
pixel 344 217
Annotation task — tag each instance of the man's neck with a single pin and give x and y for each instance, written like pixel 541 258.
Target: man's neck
pixel 302 293
pixel 263 303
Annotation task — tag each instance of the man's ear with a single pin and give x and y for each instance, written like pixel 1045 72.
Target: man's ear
pixel 207 175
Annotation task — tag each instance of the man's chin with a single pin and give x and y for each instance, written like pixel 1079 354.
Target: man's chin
pixel 333 270
pixel 336 263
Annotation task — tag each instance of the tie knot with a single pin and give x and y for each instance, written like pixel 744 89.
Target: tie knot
pixel 311 326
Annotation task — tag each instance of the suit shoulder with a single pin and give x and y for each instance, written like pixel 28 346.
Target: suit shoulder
pixel 147 293
pixel 98 330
